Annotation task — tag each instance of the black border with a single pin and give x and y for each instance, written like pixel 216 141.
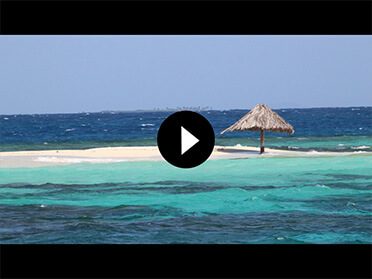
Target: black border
pixel 186 17
pixel 186 261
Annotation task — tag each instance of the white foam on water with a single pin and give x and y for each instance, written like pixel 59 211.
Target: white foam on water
pixel 322 186
pixel 238 145
pixel 301 138
pixel 327 153
pixel 69 130
pixel 360 147
pixel 6 118
pixel 147 124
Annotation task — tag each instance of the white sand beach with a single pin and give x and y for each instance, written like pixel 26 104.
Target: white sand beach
pixel 41 158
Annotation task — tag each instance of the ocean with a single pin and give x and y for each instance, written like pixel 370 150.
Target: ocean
pixel 296 199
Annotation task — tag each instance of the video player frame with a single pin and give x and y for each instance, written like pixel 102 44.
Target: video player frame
pixel 271 154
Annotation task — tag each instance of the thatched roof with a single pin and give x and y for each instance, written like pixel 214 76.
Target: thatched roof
pixel 261 117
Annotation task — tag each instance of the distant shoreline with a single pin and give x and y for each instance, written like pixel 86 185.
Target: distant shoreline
pixel 173 110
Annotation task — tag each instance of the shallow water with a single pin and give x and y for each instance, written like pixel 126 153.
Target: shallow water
pixel 255 200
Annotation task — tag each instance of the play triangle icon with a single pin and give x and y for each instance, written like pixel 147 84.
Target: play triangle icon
pixel 187 140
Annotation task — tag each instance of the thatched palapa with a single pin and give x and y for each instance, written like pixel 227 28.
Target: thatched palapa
pixel 261 118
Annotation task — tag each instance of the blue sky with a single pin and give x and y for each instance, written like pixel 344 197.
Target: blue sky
pixel 56 74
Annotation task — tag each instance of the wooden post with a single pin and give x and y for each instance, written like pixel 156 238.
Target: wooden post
pixel 262 142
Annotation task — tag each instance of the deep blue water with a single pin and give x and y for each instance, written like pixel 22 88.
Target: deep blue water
pixel 350 127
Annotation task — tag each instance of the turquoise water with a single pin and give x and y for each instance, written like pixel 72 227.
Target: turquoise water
pixel 309 199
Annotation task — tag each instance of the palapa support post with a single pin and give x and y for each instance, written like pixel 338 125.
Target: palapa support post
pixel 262 142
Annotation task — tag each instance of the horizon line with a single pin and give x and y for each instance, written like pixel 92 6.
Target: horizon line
pixel 171 110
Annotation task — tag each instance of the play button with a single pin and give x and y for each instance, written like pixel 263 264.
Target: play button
pixel 186 139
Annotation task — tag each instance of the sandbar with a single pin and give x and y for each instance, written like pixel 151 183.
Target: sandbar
pixel 40 158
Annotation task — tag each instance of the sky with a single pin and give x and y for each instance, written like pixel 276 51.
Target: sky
pixel 67 74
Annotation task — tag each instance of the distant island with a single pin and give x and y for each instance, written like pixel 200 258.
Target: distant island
pixel 159 109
